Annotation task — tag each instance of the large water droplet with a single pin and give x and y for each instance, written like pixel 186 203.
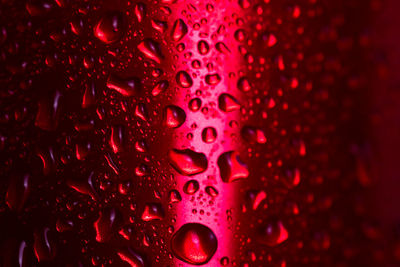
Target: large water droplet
pixel 231 168
pixel 195 104
pixel 110 28
pixel 151 50
pixel 183 79
pixel 188 162
pixel 49 111
pixel 228 103
pixel 174 116
pixel 44 245
pixel 125 86
pixel 179 30
pixel 153 211
pixel 272 233
pixel 194 243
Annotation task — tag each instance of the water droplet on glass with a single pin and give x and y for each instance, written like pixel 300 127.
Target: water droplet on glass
pixel 107 224
pixel 183 79
pixel 151 50
pixel 188 162
pixel 208 135
pixel 194 243
pixel 211 191
pixel 231 168
pixel 160 87
pixel 131 257
pixel 125 86
pixel 18 191
pixel 191 187
pixel 195 104
pixel 174 116
pixel 179 30
pixel 153 211
pixel 253 135
pixel 174 196
pixel 243 84
pixel 117 138
pixel 110 28
pixel 213 79
pixel 228 103
pixel 140 11
pixel 203 47
pixel 272 233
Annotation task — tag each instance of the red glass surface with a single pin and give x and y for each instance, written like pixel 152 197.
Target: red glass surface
pixel 215 133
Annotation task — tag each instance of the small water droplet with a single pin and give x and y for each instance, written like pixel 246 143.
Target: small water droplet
pixel 203 47
pixel 191 187
pixel 213 79
pixel 208 135
pixel 195 104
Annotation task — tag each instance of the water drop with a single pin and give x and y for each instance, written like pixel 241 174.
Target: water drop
pixel 160 87
pixel 107 223
pixel 110 28
pixel 174 196
pixel 228 103
pixel 131 257
pixel 188 162
pixel 183 79
pixel 174 116
pixel 272 233
pixel 179 30
pixel 253 135
pixel 203 47
pixel 194 243
pixel 191 187
pixel 140 11
pixel 208 135
pixel 151 50
pixel 231 167
pixel 243 84
pixel 152 211
pixel 117 138
pixel 211 191
pixel 125 86
pixel 195 104
pixel 213 79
